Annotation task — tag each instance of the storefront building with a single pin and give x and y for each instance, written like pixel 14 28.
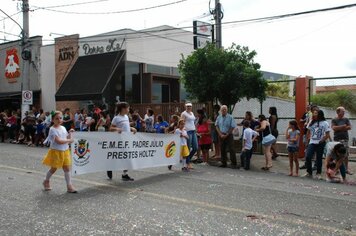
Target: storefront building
pixel 11 73
pixel 125 65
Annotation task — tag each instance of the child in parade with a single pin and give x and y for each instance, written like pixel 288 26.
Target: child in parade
pixel 292 135
pixel 120 124
pixel 184 152
pixel 249 136
pixel 58 155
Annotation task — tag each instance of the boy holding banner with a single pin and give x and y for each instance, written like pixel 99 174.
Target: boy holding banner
pixel 120 124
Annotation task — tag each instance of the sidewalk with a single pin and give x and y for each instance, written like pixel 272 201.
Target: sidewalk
pixel 281 166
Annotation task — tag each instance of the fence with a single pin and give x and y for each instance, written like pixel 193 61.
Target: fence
pixel 281 94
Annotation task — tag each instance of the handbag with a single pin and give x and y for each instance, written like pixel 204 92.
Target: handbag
pixel 268 139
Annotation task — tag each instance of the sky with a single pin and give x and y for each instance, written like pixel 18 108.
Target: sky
pixel 319 45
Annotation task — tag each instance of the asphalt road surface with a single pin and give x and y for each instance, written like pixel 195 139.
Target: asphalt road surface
pixel 206 201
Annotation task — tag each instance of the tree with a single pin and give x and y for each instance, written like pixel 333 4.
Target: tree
pixel 227 75
pixel 335 99
pixel 279 88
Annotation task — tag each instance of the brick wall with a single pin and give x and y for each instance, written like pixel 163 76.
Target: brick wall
pixel 64 64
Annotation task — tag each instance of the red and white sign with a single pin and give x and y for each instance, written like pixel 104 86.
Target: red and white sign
pixel 27 97
pixel 202 28
pixel 12 68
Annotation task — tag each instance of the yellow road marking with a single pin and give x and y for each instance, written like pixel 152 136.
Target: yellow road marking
pixel 204 205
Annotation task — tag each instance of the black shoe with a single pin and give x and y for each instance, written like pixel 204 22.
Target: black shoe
pixel 170 167
pixel 302 167
pixel 236 167
pixel 199 161
pixel 223 166
pixel 127 178
pixel 274 157
pixel 109 173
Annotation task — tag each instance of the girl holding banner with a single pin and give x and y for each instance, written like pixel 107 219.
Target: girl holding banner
pixel 120 124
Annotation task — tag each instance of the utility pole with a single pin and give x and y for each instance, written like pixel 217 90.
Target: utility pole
pixel 218 15
pixel 26 54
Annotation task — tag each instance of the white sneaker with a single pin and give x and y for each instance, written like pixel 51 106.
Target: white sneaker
pixel 307 175
pixel 318 177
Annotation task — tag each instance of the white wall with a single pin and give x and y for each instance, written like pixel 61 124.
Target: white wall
pixel 162 45
pixel 160 48
pixel 48 78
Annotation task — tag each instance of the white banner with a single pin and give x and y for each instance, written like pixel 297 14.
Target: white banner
pixel 103 151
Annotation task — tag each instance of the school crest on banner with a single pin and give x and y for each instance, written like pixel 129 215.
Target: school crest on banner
pixel 82 152
pixel 12 65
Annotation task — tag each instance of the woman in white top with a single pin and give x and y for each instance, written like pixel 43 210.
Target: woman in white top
pixel 189 119
pixel 318 133
pixel 121 124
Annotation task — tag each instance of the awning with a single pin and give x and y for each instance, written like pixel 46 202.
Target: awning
pixel 89 77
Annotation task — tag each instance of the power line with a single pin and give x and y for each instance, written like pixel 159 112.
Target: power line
pixel 292 14
pixel 68 5
pixel 10 34
pixel 9 16
pixel 246 21
pixel 111 12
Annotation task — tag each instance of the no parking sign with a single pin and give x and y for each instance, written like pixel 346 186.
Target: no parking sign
pixel 27 97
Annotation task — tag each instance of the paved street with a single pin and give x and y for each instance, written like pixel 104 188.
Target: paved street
pixel 206 201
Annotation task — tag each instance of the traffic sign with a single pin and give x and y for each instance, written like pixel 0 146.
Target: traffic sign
pixel 27 97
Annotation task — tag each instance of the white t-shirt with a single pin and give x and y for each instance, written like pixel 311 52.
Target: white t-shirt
pixel 183 140
pixel 122 122
pixel 248 135
pixel 317 131
pixel 61 133
pixel 189 120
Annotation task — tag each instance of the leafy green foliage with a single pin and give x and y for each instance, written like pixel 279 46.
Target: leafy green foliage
pixel 279 88
pixel 227 75
pixel 335 99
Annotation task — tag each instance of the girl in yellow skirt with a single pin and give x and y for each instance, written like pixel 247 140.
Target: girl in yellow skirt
pixel 58 155
pixel 183 144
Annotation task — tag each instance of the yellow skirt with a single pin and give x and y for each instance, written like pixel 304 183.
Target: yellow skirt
pixel 184 152
pixel 57 159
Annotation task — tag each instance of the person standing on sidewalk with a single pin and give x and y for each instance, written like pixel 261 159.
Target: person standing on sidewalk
pixel 204 133
pixel 318 133
pixel 225 124
pixel 189 119
pixel 273 120
pixel 292 136
pixel 248 137
pixel 265 129
pixel 341 125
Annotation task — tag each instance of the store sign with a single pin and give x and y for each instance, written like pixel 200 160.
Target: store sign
pixel 202 28
pixel 12 68
pixel 97 48
pixel 66 53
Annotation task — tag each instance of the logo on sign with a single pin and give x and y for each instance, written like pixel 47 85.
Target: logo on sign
pixel 170 149
pixel 82 152
pixel 27 97
pixel 12 68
